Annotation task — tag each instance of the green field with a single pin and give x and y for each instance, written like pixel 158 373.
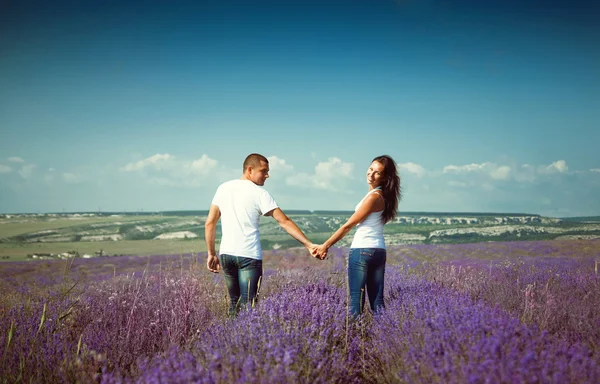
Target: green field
pixel 133 234
pixel 10 228
pixel 23 236
pixel 13 252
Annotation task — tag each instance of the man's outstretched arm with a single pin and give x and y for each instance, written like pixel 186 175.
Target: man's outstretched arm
pixel 290 227
pixel 210 234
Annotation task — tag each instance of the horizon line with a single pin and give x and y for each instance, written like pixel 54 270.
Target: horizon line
pixel 288 211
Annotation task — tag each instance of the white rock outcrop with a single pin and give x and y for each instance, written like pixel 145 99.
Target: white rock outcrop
pixel 176 235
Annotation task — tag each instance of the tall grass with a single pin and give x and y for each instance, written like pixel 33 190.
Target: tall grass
pixel 516 312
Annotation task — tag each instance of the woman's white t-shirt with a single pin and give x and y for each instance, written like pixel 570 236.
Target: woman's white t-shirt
pixel 369 232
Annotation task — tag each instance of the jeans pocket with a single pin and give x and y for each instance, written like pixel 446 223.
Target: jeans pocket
pixel 367 251
pixel 249 263
pixel 355 254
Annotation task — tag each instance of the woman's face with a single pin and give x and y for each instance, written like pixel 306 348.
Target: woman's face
pixel 375 174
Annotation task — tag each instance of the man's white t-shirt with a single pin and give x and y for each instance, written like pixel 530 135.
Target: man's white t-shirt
pixel 241 203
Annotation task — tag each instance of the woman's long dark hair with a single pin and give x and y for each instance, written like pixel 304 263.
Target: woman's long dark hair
pixel 390 186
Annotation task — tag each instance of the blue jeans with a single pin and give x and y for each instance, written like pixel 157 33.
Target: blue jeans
pixel 366 269
pixel 242 275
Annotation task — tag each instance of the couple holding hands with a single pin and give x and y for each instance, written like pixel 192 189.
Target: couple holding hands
pixel 240 203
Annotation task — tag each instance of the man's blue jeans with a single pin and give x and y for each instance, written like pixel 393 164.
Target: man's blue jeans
pixel 242 275
pixel 366 269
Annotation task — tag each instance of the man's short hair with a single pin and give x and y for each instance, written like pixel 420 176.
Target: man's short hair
pixel 254 160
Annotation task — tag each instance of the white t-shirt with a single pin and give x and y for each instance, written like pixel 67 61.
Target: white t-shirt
pixel 241 203
pixel 369 232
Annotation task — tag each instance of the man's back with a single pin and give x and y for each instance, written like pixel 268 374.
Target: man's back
pixel 241 203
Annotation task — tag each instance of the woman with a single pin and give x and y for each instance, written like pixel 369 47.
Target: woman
pixel 366 262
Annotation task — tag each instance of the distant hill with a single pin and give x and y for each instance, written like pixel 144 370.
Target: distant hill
pixel 478 214
pixel 118 233
pixel 582 219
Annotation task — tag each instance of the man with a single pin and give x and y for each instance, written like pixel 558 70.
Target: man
pixel 239 204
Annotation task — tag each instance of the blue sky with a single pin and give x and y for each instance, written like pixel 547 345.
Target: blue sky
pixel 486 106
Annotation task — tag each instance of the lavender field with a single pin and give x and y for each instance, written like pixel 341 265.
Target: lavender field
pixel 522 312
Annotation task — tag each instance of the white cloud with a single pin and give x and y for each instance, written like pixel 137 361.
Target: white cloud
pixel 203 165
pixel 330 175
pixel 167 170
pixel 463 168
pixel 500 173
pixel 333 166
pixel 522 173
pixel 559 166
pixel 26 171
pixel 278 165
pixel 157 161
pixel 493 170
pixel 329 172
pixel 413 168
pixel 5 169
pixel 15 159
pixel 595 170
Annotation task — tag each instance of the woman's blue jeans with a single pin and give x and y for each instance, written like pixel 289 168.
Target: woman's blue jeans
pixel 366 269
pixel 242 276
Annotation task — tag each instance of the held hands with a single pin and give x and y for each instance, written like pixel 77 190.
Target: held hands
pixel 313 249
pixel 212 263
pixel 319 251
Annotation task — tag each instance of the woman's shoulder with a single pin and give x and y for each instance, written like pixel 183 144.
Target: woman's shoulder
pixel 375 194
pixel 373 197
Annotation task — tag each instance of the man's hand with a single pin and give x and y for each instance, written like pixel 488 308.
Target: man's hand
pixel 212 263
